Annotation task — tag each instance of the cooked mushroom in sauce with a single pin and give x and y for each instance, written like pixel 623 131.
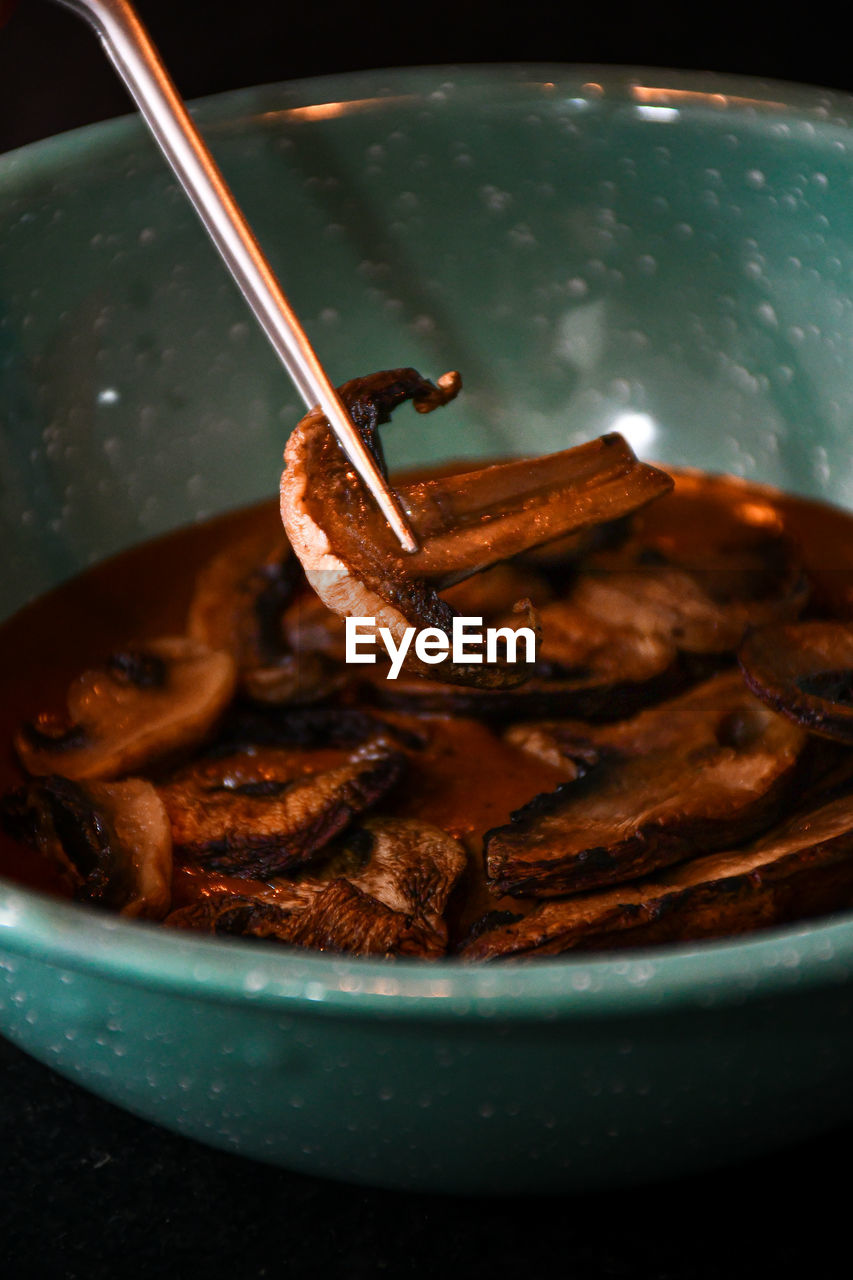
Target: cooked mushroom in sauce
pixel 675 764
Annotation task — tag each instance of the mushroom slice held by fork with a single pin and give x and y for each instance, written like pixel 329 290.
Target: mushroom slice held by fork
pixel 464 523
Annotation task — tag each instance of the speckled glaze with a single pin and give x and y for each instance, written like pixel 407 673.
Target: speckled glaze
pixel 665 255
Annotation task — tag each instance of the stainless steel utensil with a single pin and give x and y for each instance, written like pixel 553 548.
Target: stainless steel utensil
pixel 138 63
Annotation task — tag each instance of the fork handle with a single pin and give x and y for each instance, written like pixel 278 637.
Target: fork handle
pixel 139 65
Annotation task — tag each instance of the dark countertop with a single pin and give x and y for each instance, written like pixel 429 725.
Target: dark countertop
pixel 89 1191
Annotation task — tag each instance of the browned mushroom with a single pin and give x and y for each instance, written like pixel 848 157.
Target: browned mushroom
pixel 142 705
pixel 802 868
pixel 335 917
pixel 702 771
pixel 804 671
pixel 239 605
pixel 586 667
pixel 411 866
pixel 110 840
pixel 383 891
pixel 699 569
pixel 465 523
pixel 264 810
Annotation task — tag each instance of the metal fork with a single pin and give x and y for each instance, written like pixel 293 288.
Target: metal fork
pixel 139 65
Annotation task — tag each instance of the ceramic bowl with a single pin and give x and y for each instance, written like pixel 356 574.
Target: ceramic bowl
pixel 670 256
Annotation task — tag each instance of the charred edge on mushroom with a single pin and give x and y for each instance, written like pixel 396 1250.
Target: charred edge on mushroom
pixel 111 841
pixel 261 830
pixel 277 583
pixel 802 868
pixel 491 920
pixel 52 733
pixel 709 768
pixel 142 670
pixel 804 671
pixel 337 917
pixel 383 887
pixel 57 816
pixel 239 604
pixel 549 692
pixel 371 401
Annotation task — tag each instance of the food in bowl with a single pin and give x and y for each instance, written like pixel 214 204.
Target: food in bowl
pixel 673 764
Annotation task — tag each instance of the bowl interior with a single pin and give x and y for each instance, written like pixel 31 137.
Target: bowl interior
pixel 668 256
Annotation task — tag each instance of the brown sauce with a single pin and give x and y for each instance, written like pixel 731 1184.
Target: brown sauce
pixel 468 780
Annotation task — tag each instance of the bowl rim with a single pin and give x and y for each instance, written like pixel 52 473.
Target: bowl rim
pixel 70 936
pixel 695 90
pixel 703 975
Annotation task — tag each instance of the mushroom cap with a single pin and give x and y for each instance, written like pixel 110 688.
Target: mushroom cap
pixel 141 705
pixel 804 671
pixel 259 812
pixel 698 772
pixel 800 868
pixel 110 840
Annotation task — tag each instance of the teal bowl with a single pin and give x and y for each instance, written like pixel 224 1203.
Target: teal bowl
pixel 667 255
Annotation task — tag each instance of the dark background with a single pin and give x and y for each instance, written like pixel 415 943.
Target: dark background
pixel 54 77
pixel 87 1191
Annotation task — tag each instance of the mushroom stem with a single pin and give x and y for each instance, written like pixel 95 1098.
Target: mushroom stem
pixel 467 522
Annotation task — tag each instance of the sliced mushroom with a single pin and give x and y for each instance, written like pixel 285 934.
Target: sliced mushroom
pixel 409 865
pixel 804 671
pixel 345 918
pixel 700 571
pixel 110 840
pixel 143 704
pixel 239 605
pixel 465 523
pixel 383 890
pixel 656 605
pixel 585 667
pixel 258 813
pixel 336 917
pixel 705 770
pixel 803 867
